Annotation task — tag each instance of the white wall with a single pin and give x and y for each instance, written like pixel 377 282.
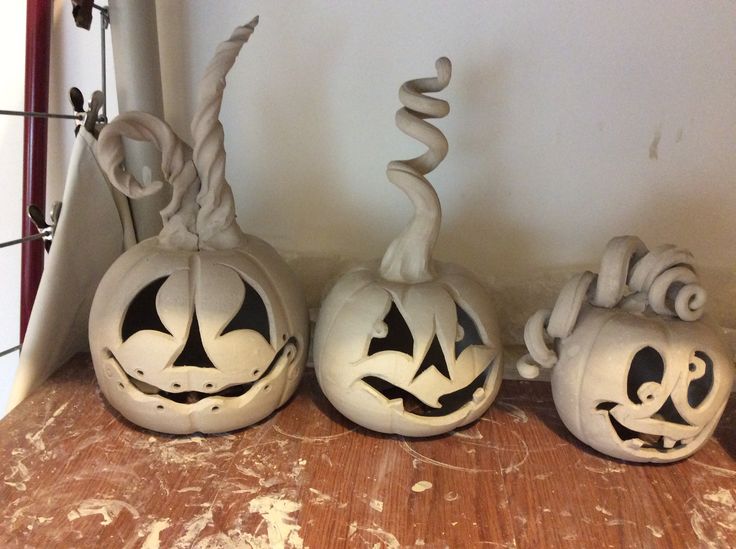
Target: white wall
pixel 12 40
pixel 571 122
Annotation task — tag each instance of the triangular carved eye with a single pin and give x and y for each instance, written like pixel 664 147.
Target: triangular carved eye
pixel 470 335
pixel 398 338
pixel 252 315
pixel 142 313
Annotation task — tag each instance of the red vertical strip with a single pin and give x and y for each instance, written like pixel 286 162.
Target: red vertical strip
pixel 38 47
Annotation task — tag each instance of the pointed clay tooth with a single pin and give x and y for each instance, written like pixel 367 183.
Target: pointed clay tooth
pixel 396 404
pixel 669 442
pixel 634 443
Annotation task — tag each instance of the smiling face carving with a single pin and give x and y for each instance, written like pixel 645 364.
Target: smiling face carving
pixel 196 341
pixel 414 359
pixel 655 395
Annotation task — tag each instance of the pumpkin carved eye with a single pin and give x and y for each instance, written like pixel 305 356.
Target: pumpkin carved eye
pixel 468 331
pixel 701 381
pixel 645 374
pixel 142 313
pixel 398 338
pixel 252 315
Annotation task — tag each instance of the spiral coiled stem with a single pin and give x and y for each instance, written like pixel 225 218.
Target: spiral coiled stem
pixel 179 216
pixel 631 277
pixel 409 257
pixel 216 204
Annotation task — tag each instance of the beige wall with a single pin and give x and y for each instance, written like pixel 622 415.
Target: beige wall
pixel 571 122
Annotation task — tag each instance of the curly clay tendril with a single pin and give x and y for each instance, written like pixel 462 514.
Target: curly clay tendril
pixel 409 257
pixel 179 217
pixel 631 277
pixel 217 207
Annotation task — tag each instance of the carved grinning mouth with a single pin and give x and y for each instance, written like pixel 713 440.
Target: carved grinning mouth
pixel 449 403
pixel 192 397
pixel 666 414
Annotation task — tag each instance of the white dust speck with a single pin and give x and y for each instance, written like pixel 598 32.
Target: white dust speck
pixel 518 415
pixel 385 539
pixel 189 489
pixel 722 496
pixel 107 508
pixel 656 531
pixel 35 438
pixel 193 528
pixel 603 510
pixel 376 505
pixel 421 486
pixel 156 527
pixel 320 498
pixel 451 496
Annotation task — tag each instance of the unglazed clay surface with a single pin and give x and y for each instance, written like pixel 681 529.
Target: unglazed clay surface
pixel 411 347
pixel 638 373
pixel 202 328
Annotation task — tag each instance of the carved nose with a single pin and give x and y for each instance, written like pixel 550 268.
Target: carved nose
pixel 434 357
pixel 193 353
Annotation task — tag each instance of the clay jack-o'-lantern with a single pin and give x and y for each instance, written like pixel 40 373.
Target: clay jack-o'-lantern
pixel 411 347
pixel 202 328
pixel 638 374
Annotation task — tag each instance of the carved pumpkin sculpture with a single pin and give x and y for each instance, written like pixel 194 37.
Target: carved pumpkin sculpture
pixel 411 347
pixel 638 374
pixel 202 328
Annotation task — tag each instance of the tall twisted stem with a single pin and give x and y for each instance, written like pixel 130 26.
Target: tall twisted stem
pixel 216 218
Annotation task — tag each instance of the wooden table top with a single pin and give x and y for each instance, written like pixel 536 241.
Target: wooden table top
pixel 75 474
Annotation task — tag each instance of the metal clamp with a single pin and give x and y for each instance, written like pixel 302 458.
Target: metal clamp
pixel 46 231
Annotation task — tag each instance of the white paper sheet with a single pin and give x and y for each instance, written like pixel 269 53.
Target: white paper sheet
pixel 93 230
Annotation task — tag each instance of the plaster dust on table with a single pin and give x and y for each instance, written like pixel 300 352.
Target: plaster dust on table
pixel 472 433
pixel 108 509
pixel 713 518
pixel 514 467
pixel 720 471
pixel 193 528
pixel 376 505
pixel 282 529
pixel 388 540
pixel 404 445
pixel 421 486
pixel 518 415
pixel 321 439
pixel 154 529
pixel 18 476
pixel 35 438
pixel 181 451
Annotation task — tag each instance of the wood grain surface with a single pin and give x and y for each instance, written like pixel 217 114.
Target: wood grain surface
pixel 75 474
